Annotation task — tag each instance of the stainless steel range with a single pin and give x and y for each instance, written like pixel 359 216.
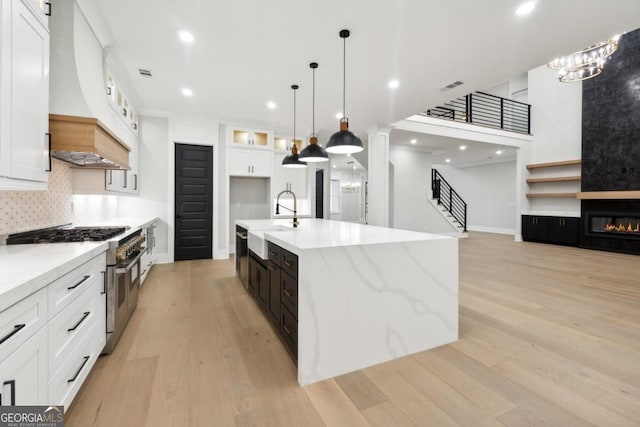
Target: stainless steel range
pixel 123 267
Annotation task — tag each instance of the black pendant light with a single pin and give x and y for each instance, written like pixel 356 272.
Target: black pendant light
pixel 314 152
pixel 292 160
pixel 344 141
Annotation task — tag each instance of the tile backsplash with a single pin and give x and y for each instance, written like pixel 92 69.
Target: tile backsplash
pixel 27 210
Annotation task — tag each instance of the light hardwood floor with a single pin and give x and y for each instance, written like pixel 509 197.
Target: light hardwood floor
pixel 549 336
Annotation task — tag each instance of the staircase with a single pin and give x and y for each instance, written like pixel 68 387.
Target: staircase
pixel 448 201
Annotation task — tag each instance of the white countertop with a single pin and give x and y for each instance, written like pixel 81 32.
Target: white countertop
pixel 324 233
pixel 28 268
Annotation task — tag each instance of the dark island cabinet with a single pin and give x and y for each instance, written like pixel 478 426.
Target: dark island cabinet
pixel 274 293
pixel 550 229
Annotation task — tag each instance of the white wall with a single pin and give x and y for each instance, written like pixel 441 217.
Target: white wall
pixel 411 189
pixel 556 124
pixel 490 194
pixel 153 199
pixel 249 199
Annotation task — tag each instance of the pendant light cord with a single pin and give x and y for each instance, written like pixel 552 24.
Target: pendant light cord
pixel 344 77
pixel 294 118
pixel 313 105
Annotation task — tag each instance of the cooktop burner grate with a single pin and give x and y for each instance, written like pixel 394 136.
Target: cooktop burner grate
pixel 59 235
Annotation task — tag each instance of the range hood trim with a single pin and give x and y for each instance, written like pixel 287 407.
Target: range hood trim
pixel 87 138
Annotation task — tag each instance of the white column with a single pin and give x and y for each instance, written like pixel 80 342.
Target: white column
pixel 379 177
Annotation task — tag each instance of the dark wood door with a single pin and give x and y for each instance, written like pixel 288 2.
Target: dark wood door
pixel 320 193
pixel 193 202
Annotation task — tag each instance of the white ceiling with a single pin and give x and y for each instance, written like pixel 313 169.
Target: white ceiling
pixel 248 52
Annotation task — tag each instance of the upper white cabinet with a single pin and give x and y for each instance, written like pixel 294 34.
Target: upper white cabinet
pixel 244 137
pixel 244 162
pixel 283 144
pixel 24 94
pixel 125 181
pixel 41 9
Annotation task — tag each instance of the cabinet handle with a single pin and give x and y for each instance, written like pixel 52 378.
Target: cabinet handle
pixel 12 383
pixel 251 169
pixel 84 316
pixel 286 329
pixel 248 169
pixel 125 179
pixel 286 292
pixel 124 112
pixel 86 359
pixel 287 263
pixel 48 11
pixel 49 145
pixel 104 282
pixel 135 181
pixel 271 268
pixel 110 177
pixel 16 329
pixel 84 279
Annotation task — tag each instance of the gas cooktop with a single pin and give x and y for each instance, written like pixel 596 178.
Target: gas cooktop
pixel 65 234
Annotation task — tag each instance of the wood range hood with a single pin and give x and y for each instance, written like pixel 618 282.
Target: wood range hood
pixel 86 142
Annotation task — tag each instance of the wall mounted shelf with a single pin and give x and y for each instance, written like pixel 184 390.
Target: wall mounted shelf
pixel 539 195
pixel 554 164
pixel 554 179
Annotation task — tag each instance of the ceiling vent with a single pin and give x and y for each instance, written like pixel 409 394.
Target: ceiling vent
pixel 452 85
pixel 145 73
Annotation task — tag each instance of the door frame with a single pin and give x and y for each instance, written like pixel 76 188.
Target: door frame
pixel 171 208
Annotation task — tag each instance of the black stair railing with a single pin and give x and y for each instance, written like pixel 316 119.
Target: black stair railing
pixel 449 198
pixel 484 109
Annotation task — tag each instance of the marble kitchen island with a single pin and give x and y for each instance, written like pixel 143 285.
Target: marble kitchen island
pixel 366 294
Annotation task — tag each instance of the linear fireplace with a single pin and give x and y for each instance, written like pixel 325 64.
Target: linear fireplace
pixel 611 225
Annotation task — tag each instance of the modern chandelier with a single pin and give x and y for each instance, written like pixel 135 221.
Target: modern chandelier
pixel 586 63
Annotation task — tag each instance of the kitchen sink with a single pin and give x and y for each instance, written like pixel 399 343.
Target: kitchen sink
pixel 257 242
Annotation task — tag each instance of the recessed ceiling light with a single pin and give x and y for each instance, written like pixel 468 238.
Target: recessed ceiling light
pixel 187 92
pixel 354 168
pixel 349 154
pixel 186 36
pixel 463 147
pixel 334 166
pixel 393 84
pixel 338 116
pixel 271 105
pixel 525 8
pixel 447 160
pixel 413 141
pixel 499 152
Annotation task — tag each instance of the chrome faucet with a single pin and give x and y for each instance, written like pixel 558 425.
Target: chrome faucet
pixel 295 206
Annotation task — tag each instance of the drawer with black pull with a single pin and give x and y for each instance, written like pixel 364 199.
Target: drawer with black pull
pixel 73 284
pixel 64 385
pixel 69 327
pixel 20 321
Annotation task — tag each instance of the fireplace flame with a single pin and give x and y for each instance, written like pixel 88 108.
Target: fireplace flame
pixel 621 228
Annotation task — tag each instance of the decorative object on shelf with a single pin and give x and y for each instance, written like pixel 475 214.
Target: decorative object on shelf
pixel 292 160
pixel 344 141
pixel 586 63
pixel 351 187
pixel 313 152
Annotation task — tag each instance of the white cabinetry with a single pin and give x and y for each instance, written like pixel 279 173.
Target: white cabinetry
pixel 24 96
pixel 240 136
pixel 50 340
pixel 247 162
pixel 149 256
pixel 125 181
pixel 23 375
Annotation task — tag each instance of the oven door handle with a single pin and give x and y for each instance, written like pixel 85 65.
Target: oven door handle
pixel 131 263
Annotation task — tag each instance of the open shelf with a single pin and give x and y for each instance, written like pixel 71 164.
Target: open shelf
pixel 538 195
pixel 554 164
pixel 554 179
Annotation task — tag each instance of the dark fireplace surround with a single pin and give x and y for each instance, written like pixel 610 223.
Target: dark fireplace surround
pixel 611 149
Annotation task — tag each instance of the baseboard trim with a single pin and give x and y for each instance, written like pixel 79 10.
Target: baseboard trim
pixel 492 230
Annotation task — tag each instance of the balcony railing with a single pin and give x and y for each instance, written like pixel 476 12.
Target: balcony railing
pixel 484 109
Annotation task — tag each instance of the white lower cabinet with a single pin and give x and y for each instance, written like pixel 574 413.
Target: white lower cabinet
pixel 50 340
pixel 23 375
